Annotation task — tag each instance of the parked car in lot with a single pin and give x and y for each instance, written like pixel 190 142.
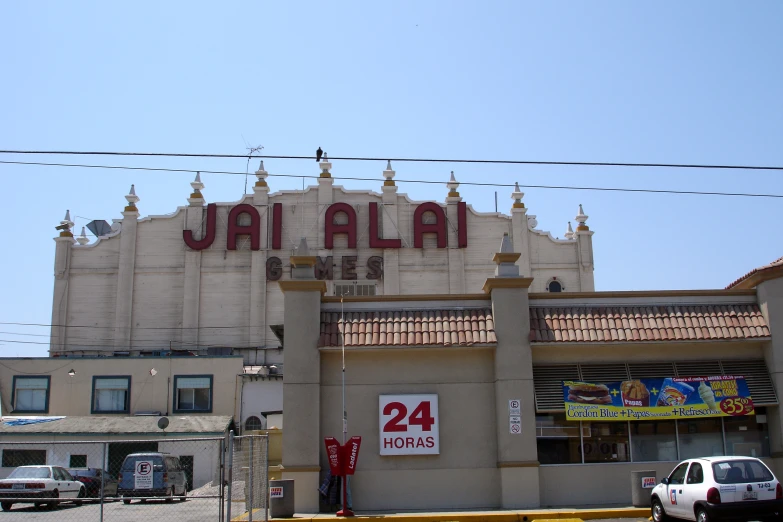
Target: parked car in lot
pixel 718 488
pixel 92 477
pixel 39 484
pixel 152 475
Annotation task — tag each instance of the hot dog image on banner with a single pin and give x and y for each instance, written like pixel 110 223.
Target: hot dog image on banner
pixel 658 398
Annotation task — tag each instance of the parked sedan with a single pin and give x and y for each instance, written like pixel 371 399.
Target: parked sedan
pixel 37 483
pixel 718 488
pixel 92 477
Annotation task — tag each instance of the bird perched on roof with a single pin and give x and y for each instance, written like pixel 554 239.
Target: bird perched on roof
pixel 318 154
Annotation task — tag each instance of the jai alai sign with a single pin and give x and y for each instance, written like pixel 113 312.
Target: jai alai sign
pixel 324 267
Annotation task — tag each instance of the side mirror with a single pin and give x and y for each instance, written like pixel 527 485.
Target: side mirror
pixel 665 480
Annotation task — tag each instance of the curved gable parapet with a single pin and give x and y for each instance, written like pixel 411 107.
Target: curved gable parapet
pixel 116 229
pixel 488 214
pixel 162 216
pixel 309 188
pixel 552 238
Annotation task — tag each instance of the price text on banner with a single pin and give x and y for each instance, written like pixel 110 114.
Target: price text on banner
pixel 409 424
pixel 661 398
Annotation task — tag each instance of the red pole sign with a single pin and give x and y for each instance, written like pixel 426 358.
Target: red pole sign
pixel 333 452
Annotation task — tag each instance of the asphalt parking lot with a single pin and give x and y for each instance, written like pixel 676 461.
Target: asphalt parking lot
pixel 195 509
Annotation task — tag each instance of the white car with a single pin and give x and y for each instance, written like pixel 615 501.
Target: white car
pixel 718 488
pixel 39 485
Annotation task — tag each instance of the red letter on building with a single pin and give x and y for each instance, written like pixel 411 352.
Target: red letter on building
pixel 375 241
pixel 439 227
pixel 254 230
pixel 331 228
pixel 209 237
pixel 277 226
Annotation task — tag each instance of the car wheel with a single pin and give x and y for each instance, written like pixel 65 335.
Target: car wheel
pixel 126 501
pixel 702 516
pixel 82 494
pixel 658 513
pixel 170 494
pixel 6 505
pixel 55 494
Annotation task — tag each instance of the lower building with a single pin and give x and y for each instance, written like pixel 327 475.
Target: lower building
pixel 462 401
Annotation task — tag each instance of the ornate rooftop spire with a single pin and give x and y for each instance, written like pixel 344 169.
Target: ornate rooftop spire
pixel 581 218
pixel 517 196
pixel 453 184
pixel 132 200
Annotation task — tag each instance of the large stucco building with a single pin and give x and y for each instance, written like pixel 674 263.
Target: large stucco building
pixel 467 312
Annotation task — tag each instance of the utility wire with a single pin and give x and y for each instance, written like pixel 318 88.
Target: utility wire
pixel 417 160
pixel 468 183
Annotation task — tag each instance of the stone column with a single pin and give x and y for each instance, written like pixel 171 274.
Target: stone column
pixel 520 236
pixel 456 257
pixel 302 384
pixel 389 216
pixel 517 453
pixel 195 220
pixel 584 238
pixel 123 312
pixel 325 198
pixel 770 299
pixel 62 265
pixel 257 320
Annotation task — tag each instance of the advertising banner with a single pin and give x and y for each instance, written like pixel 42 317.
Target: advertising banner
pixel 658 399
pixel 333 452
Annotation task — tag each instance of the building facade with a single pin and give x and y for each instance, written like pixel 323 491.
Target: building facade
pixel 458 328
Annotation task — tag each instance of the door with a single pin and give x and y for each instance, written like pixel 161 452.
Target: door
pixel 692 490
pixel 672 503
pixel 187 466
pixel 65 484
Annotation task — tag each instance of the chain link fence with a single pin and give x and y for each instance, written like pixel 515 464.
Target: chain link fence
pixel 194 479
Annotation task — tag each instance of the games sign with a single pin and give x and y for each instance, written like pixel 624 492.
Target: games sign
pixel 658 398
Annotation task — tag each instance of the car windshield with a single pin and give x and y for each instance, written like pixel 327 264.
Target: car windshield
pixel 130 462
pixel 20 473
pixel 741 471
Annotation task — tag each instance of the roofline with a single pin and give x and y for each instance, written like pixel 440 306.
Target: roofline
pixel 742 340
pixel 403 297
pixel 643 293
pixel 756 277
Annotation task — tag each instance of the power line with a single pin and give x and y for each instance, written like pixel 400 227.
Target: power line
pixel 417 160
pixel 429 182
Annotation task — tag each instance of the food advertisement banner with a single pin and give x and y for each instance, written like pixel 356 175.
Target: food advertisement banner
pixel 658 399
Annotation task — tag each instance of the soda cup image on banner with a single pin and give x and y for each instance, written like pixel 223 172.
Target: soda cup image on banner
pixel 674 393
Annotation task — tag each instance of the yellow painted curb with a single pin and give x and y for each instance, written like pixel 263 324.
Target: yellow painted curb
pixel 570 515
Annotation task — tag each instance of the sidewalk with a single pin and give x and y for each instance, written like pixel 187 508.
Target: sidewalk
pixel 532 515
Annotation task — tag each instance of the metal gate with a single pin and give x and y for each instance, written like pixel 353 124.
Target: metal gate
pixel 217 478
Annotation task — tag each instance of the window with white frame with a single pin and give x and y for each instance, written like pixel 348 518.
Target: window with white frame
pixel 111 394
pixel 192 393
pixel 31 394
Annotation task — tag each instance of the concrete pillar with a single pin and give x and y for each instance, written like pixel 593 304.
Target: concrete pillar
pixel 123 312
pixel 62 265
pixel 455 254
pixel 325 198
pixel 195 220
pixel 520 235
pixel 302 384
pixel 257 310
pixel 770 299
pixel 584 238
pixel 517 453
pixel 389 214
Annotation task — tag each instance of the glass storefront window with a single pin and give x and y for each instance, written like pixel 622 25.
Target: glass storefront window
pixel 653 441
pixel 606 442
pixel 557 440
pixel 700 438
pixel 747 436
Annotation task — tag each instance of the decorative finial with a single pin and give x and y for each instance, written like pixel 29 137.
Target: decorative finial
pixel 325 167
pixel 132 200
pixel 517 196
pixel 83 240
pixel 453 184
pixel 506 259
pixel 261 174
pixel 65 225
pixel 197 186
pixel 505 244
pixel 389 175
pixel 581 218
pixel 569 232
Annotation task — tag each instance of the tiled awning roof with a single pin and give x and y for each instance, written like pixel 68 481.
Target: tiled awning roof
pixel 647 323
pixel 409 328
pixel 758 275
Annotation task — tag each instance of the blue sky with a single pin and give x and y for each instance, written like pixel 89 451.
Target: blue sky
pixel 654 82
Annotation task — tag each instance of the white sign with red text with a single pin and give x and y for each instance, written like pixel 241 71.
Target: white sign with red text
pixel 409 424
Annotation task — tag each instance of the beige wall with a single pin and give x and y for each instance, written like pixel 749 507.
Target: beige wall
pixel 72 395
pixel 463 379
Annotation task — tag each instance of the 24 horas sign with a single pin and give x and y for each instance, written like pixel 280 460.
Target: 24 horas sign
pixel 658 399
pixel 324 268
